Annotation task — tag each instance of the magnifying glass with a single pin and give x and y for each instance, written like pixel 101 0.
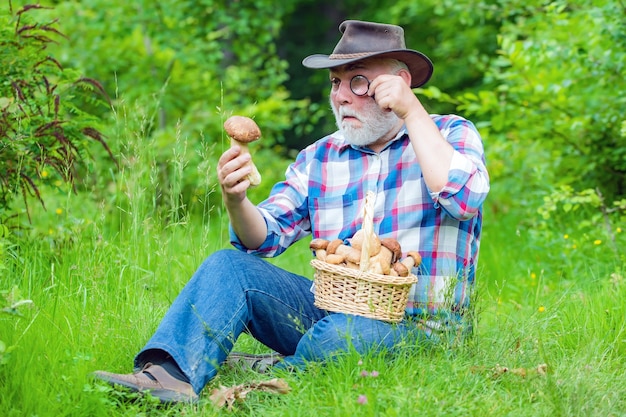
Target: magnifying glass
pixel 359 85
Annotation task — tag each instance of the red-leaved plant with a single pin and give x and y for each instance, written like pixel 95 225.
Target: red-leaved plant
pixel 42 125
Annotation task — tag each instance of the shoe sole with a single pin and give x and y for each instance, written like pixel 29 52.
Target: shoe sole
pixel 164 396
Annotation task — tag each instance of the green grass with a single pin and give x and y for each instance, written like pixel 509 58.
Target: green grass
pixel 97 298
pixel 101 272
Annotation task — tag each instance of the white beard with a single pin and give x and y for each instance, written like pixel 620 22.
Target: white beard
pixel 376 123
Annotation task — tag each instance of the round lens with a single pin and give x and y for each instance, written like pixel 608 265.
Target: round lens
pixel 359 85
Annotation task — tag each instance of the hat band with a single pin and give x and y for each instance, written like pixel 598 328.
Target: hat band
pixel 350 56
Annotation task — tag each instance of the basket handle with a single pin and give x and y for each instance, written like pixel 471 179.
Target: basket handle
pixel 368 230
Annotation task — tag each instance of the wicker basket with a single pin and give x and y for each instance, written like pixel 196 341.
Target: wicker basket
pixel 345 290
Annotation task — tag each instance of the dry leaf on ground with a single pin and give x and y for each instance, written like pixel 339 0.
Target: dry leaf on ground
pixel 226 396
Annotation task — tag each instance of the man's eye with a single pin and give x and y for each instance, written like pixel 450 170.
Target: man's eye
pixel 334 82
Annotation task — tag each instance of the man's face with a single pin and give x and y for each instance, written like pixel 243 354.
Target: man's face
pixel 359 118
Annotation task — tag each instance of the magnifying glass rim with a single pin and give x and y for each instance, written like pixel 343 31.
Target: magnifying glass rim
pixel 368 85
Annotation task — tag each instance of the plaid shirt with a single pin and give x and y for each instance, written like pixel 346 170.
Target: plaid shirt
pixel 323 194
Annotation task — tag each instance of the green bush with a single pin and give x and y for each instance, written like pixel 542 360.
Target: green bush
pixel 583 231
pixel 556 108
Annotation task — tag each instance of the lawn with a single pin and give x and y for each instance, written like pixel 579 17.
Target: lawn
pixel 550 336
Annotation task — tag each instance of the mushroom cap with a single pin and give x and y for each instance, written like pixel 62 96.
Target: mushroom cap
pixel 394 246
pixel 335 259
pixel 358 239
pixel 333 245
pixel 242 129
pixel 319 243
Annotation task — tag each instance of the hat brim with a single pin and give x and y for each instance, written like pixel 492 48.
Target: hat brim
pixel 420 67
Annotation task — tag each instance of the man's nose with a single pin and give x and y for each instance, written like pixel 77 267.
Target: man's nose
pixel 344 94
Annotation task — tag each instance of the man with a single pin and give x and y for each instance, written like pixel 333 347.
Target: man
pixel 429 177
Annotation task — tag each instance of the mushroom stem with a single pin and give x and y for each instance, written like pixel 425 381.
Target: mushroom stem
pixel 383 259
pixel 254 176
pixel 401 269
pixel 413 259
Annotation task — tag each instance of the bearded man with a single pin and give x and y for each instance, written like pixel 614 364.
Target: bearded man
pixel 429 178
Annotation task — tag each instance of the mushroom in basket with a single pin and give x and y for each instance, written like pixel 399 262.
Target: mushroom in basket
pixel 385 255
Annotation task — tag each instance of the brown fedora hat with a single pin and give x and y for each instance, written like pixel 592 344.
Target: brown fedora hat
pixel 362 40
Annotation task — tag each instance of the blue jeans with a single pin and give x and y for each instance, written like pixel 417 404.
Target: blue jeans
pixel 234 292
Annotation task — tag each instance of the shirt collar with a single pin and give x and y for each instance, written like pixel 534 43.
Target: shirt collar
pixel 343 145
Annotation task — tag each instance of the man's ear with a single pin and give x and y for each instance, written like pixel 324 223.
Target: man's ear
pixel 406 76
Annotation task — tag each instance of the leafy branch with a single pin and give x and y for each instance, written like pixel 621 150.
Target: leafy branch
pixel 41 122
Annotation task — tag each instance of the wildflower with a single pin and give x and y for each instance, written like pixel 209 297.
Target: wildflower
pixel 362 399
pixel 566 236
pixel 533 275
pixel 597 242
pixel 541 309
pixel 59 211
pixel 618 230
pixel 373 374
pixel 44 174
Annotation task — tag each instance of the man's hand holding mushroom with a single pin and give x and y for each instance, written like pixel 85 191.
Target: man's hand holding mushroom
pixel 242 131
pixel 236 173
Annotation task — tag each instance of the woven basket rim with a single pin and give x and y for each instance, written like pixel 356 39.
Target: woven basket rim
pixel 363 275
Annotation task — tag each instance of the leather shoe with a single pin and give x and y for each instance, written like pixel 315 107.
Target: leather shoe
pixel 155 380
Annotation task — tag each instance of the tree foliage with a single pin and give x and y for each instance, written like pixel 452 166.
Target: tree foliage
pixel 178 69
pixel 547 96
pixel 555 109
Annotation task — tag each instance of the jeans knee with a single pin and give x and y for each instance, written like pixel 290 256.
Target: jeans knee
pixel 225 256
pixel 226 263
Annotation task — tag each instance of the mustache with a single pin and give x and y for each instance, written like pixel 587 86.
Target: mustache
pixel 343 112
